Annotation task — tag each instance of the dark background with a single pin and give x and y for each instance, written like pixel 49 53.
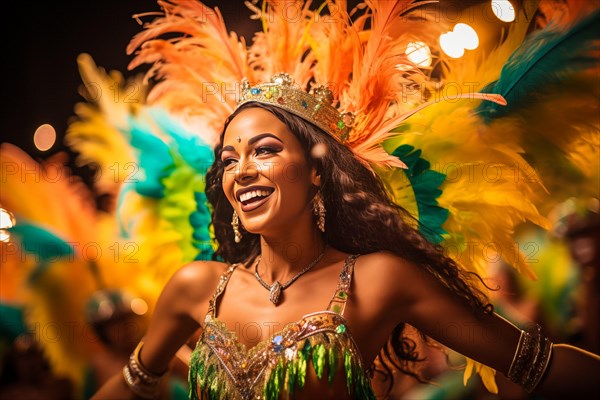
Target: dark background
pixel 40 75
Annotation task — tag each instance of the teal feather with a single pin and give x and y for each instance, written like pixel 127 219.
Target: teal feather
pixel 192 158
pixel 194 151
pixel 425 183
pixel 45 246
pixel 200 221
pixel 546 57
pixel 155 160
pixel 124 230
pixel 173 168
pixel 12 323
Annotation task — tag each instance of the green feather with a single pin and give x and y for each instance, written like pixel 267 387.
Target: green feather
pixel 319 359
pixel 207 379
pixel 348 369
pixel 333 363
pixel 424 183
pixel 173 173
pixel 291 376
pixel 46 247
pixel 154 159
pixel 12 323
pixel 545 57
pixel 279 375
pixel 214 388
pixel 301 366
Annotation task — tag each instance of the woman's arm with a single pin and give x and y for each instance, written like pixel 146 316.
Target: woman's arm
pixel 433 309
pixel 174 320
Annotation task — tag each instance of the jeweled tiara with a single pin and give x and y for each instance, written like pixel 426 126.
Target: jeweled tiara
pixel 313 107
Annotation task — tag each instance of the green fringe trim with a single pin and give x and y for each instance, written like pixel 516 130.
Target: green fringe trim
pixel 326 352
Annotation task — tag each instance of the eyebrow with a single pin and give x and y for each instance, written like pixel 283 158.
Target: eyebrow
pixel 253 140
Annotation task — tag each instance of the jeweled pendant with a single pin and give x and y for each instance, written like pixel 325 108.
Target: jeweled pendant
pixel 275 292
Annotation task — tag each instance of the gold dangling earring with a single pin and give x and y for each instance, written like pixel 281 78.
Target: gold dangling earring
pixel 319 211
pixel 235 223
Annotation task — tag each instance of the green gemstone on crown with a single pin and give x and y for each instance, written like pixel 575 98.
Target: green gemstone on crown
pixel 341 124
pixel 342 294
pixel 340 328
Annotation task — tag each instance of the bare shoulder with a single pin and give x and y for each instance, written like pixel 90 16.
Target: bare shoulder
pixel 386 277
pixel 195 281
pixel 385 265
pixel 382 270
pixel 197 272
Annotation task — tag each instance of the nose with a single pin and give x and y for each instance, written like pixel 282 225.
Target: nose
pixel 246 171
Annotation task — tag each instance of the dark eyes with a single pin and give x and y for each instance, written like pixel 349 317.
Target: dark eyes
pixel 265 150
pixel 257 152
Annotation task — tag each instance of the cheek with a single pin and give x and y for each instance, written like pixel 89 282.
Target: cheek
pixel 294 181
pixel 293 173
pixel 227 185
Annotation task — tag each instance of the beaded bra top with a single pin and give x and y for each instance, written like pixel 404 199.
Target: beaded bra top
pixel 223 368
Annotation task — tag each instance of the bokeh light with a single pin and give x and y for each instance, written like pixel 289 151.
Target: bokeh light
pixel 450 43
pixel 504 10
pixel 139 306
pixel 466 36
pixel 44 137
pixel 7 220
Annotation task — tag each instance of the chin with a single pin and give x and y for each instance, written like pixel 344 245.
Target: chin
pixel 256 225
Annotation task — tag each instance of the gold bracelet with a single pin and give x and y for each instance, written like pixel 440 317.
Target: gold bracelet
pixel 135 362
pixel 139 387
pixel 142 382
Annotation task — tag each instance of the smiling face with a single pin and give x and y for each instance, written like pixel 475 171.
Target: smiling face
pixel 266 176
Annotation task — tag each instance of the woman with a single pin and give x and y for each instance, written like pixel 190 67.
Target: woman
pixel 320 270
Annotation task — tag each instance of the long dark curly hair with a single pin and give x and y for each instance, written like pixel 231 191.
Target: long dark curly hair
pixel 361 218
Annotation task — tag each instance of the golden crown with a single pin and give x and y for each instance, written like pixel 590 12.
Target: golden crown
pixel 313 107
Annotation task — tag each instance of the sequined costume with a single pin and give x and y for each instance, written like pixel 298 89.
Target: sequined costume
pixel 222 367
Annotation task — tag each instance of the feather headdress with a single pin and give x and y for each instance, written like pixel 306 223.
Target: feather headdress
pixel 367 69
pixel 469 171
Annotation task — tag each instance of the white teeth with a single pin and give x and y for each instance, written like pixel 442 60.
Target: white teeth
pixel 252 194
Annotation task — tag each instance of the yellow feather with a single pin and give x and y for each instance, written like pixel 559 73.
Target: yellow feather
pixel 95 133
pixel 28 184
